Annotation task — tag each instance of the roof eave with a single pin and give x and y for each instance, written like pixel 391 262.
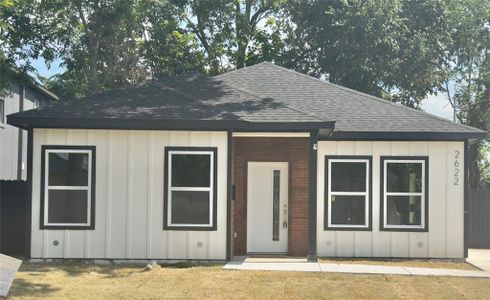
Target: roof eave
pixel 404 136
pixel 159 124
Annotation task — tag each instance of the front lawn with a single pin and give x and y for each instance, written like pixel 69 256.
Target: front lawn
pixel 81 281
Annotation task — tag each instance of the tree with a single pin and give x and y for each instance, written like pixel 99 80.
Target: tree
pixel 393 49
pixel 167 48
pixel 469 21
pixel 22 38
pixel 231 32
pixel 98 44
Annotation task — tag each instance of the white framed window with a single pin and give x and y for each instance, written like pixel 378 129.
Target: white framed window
pixel 348 193
pixel 190 188
pixel 404 191
pixel 68 187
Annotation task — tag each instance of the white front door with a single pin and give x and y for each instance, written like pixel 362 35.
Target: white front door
pixel 267 207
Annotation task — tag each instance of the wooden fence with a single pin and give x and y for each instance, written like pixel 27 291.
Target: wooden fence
pixel 479 216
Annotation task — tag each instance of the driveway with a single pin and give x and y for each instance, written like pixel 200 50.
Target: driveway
pixel 479 258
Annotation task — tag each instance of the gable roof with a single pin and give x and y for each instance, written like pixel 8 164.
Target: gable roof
pixel 29 81
pixel 260 97
pixel 354 113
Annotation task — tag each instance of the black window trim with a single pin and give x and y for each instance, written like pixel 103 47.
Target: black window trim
pixel 326 226
pixel 406 228
pixel 213 226
pixel 91 226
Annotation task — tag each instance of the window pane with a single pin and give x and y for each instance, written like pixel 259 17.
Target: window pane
pixel 348 176
pixel 191 170
pixel 404 210
pixel 404 177
pixel 67 206
pixel 275 205
pixel 348 210
pixel 68 169
pixel 190 207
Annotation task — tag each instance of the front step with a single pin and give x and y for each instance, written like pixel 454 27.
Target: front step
pixel 269 259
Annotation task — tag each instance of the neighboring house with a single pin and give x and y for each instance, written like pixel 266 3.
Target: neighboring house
pixel 13 141
pixel 258 160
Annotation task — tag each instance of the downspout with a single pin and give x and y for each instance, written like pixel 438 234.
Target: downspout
pixel 28 206
pixel 312 206
pixel 20 134
pixel 466 200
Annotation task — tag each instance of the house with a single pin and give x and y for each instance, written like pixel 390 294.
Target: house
pixel 258 160
pixel 23 95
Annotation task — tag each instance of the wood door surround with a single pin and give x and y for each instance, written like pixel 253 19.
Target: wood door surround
pixel 293 150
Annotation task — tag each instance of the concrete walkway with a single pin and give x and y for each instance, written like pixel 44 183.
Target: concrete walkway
pixel 480 258
pixel 351 268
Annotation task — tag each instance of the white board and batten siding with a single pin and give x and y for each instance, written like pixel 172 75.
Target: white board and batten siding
pixel 129 198
pixel 445 237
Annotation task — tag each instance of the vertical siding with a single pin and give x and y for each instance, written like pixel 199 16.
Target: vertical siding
pixel 9 135
pixel 129 198
pixel 9 138
pixel 446 215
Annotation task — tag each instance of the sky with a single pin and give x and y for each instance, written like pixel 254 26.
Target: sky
pixel 435 104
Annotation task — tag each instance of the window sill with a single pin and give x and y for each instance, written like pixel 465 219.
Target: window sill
pixel 189 228
pixel 343 228
pixel 64 227
pixel 404 229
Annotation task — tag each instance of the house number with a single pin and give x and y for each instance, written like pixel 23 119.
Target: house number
pixel 457 165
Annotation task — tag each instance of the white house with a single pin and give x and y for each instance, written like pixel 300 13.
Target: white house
pixel 257 160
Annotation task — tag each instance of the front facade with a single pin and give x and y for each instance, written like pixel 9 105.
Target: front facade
pixel 251 176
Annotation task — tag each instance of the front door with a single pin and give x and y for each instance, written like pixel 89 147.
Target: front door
pixel 267 207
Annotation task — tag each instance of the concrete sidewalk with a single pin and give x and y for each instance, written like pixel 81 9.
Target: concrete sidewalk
pixel 480 258
pixel 351 268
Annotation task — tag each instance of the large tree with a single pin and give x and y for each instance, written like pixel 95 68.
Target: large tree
pixel 98 44
pixel 390 48
pixel 469 21
pixel 232 33
pixel 24 36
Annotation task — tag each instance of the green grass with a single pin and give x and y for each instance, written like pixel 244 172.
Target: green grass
pixel 82 281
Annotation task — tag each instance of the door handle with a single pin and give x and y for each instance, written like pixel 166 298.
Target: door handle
pixel 285 220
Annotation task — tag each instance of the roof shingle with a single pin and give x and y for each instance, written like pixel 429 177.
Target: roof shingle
pixel 260 94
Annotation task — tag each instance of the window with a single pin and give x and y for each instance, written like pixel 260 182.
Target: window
pixel 68 187
pixel 348 192
pixel 404 190
pixel 190 188
pixel 2 111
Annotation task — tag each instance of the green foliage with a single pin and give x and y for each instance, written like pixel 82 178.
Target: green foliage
pixel 22 38
pixel 402 50
pixel 168 49
pixel 469 21
pixel 233 33
pixel 390 48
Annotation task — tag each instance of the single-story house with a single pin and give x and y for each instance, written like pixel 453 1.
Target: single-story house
pixel 258 160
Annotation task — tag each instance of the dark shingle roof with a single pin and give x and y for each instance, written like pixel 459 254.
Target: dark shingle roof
pixel 178 100
pixel 351 110
pixel 260 97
